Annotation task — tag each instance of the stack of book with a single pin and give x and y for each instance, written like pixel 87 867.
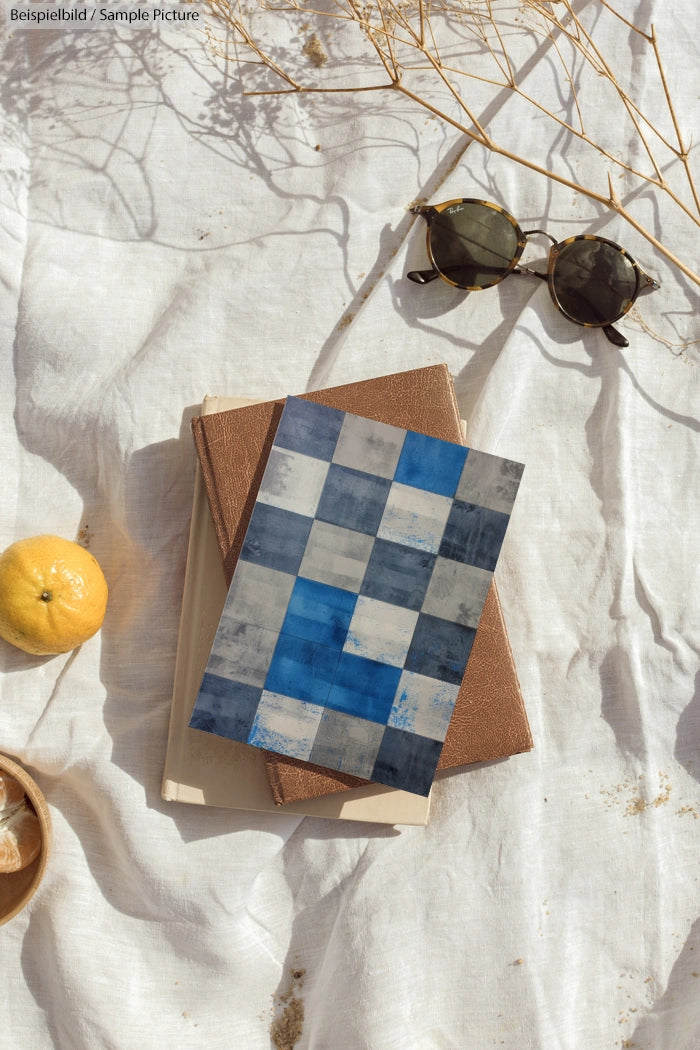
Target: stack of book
pixel 341 639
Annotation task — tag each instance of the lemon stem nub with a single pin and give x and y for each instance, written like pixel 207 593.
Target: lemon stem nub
pixel 46 596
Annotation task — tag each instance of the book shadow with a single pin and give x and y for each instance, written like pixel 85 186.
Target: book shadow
pixel 141 629
pixel 160 531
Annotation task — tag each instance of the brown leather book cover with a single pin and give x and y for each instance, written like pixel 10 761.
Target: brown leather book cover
pixel 206 770
pixel 489 719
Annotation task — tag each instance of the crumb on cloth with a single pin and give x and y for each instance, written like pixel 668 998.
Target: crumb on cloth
pixel 286 1029
pixel 313 50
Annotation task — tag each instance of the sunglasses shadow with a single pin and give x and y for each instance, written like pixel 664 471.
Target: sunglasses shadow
pixel 418 303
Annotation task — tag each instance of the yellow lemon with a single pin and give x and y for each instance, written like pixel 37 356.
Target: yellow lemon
pixel 53 595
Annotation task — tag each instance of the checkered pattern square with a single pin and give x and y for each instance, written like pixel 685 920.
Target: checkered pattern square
pixel 353 608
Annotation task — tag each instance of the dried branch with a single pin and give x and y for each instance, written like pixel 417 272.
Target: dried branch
pixel 425 51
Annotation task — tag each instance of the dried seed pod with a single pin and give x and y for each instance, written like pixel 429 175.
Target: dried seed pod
pixel 11 792
pixel 20 837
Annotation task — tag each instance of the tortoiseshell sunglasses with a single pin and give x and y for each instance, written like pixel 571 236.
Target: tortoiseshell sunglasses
pixel 474 244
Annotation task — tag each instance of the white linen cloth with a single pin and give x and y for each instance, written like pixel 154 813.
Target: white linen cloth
pixel 164 237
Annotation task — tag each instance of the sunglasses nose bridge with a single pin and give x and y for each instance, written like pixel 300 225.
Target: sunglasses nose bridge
pixel 529 233
pixel 527 270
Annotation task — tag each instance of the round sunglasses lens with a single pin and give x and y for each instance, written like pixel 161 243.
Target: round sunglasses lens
pixel 594 281
pixel 472 245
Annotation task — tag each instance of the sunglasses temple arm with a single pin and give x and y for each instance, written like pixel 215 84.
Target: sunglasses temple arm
pixel 650 284
pixel 612 334
pixel 422 276
pixel 426 276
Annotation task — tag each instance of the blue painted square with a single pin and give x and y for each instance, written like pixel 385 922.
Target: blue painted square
pixel 364 688
pixel 224 707
pixel 319 613
pixel 353 499
pixel 397 574
pixel 430 464
pixel 406 761
pixel 276 538
pixel 308 427
pixel 302 669
pixel 440 649
pixel 474 535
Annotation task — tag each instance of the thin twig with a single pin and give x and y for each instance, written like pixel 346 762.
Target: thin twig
pixel 404 37
pixel 630 25
pixel 683 152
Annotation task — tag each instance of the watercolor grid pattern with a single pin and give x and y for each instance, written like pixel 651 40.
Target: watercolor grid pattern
pixel 354 604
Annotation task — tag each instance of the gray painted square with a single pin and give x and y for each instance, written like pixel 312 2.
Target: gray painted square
pixel 242 652
pixel 347 743
pixel 250 584
pixel 489 481
pixel 370 446
pixel 457 592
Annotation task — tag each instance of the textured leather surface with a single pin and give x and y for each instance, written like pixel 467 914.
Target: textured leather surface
pixel 233 446
pixel 489 719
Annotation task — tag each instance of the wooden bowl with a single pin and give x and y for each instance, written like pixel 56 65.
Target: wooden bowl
pixel 18 887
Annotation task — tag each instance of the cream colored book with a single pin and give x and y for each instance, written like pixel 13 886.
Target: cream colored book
pixel 203 769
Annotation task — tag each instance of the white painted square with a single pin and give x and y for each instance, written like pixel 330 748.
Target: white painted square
pixel 293 481
pixel 379 631
pixel 414 518
pixel 423 706
pixel 285 725
pixel 336 556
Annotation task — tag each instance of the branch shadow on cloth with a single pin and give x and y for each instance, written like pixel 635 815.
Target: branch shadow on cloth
pixel 687 751
pixel 673 1022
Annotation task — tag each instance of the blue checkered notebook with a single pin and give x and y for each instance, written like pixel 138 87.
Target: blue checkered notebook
pixel 355 601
